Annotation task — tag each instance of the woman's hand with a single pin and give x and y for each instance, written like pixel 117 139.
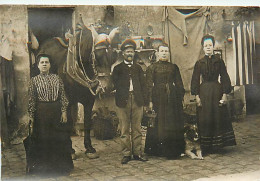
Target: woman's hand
pixel 64 117
pixel 150 105
pixel 31 122
pixel 223 100
pixel 198 101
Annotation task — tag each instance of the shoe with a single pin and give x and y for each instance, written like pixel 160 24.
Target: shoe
pixel 126 159
pixel 140 158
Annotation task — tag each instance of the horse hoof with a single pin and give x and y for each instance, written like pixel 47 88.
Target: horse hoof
pixel 92 155
pixel 90 150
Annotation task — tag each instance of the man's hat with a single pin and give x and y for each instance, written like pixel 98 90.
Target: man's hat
pixel 128 43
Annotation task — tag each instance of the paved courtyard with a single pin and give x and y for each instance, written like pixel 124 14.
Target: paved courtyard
pixel 240 160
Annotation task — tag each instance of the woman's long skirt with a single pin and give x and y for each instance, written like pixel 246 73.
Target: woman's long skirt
pixel 214 123
pixel 167 137
pixel 52 141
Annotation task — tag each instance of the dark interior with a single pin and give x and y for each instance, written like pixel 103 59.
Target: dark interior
pixel 46 23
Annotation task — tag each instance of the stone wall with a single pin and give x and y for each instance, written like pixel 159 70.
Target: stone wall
pixel 140 17
pixel 14 25
pixel 90 14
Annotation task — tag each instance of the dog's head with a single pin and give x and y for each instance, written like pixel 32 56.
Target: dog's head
pixel 191 132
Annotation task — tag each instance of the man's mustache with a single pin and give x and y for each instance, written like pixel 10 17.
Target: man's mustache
pixel 129 57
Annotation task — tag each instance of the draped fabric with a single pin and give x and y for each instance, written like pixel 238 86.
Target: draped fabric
pixel 4 129
pixel 7 90
pixel 8 85
pixel 243 35
pixel 186 30
pixel 5 48
pixel 7 95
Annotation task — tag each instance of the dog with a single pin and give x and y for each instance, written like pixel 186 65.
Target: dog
pixel 191 138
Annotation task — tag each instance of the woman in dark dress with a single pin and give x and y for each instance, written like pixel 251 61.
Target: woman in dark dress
pixel 214 124
pixel 165 92
pixel 47 111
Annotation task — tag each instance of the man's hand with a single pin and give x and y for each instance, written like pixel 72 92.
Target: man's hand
pixel 113 92
pixel 198 101
pixel 64 117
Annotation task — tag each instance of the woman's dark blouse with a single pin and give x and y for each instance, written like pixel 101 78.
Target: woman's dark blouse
pixel 210 69
pixel 163 73
pixel 46 88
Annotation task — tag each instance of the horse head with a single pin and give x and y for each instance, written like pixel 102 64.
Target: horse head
pixel 104 56
pixel 84 49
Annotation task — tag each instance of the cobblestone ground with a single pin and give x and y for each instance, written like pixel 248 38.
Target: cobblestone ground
pixel 243 158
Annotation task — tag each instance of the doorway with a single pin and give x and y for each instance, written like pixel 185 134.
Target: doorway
pixel 46 23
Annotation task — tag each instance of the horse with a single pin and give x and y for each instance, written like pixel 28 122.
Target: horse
pixel 76 92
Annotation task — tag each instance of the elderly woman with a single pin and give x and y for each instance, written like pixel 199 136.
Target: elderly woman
pixel 47 111
pixel 211 95
pixel 165 92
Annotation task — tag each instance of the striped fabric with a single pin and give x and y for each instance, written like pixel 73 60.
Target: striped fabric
pixel 244 51
pixel 46 88
pixel 226 139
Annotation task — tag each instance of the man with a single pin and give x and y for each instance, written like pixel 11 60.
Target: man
pixel 129 83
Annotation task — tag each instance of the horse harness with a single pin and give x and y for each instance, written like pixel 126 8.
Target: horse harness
pixel 72 68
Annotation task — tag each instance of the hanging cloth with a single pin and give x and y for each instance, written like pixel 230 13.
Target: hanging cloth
pixel 234 76
pixel 7 95
pixel 4 128
pixel 179 19
pixel 5 48
pixel 183 33
pixel 252 55
pixel 244 52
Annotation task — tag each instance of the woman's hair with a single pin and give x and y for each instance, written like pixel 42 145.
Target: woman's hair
pixel 42 55
pixel 207 37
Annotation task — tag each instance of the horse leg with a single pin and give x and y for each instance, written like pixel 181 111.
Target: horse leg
pixel 72 108
pixel 74 116
pixel 88 105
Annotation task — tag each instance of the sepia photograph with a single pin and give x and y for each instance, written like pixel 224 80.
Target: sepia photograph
pixel 130 92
